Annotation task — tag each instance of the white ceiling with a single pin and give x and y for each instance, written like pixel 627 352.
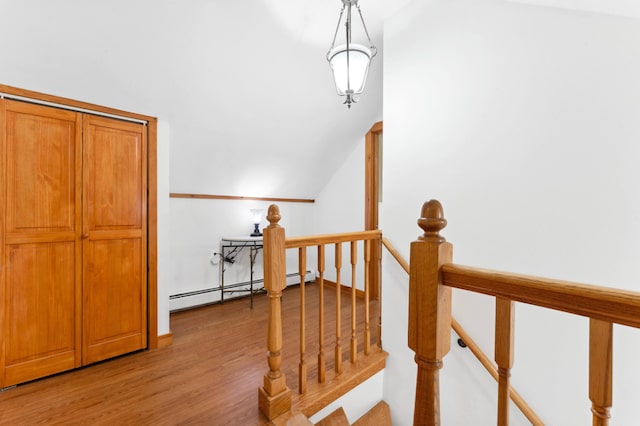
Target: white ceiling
pixel 244 85
pixel 629 8
pixel 262 98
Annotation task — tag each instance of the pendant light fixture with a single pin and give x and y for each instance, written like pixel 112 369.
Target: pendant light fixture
pixel 350 61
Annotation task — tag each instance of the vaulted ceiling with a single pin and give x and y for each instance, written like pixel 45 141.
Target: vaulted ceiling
pixel 243 85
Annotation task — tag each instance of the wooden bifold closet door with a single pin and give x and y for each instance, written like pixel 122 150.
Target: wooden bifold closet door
pixel 114 238
pixel 72 239
pixel 41 218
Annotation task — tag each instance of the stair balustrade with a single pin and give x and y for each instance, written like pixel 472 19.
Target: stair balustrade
pixel 432 275
pixel 275 397
pixel 526 410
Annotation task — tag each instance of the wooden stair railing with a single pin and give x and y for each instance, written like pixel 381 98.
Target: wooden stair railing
pixel 432 275
pixel 517 399
pixel 275 397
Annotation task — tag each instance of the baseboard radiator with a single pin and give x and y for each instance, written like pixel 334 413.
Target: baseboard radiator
pixel 205 296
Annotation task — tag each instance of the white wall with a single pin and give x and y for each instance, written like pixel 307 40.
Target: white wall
pixel 340 208
pixel 523 121
pixel 197 226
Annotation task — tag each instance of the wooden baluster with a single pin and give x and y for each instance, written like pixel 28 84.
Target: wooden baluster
pixel 505 312
pixel 274 398
pixel 354 338
pixel 338 351
pixel 302 271
pixel 429 312
pixel 367 285
pixel 378 284
pixel 321 362
pixel 600 370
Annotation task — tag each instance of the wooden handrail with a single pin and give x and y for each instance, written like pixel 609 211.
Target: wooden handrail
pixel 473 347
pixel 606 304
pixel 396 254
pixel 316 240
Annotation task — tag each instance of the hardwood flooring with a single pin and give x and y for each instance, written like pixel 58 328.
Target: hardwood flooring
pixel 209 376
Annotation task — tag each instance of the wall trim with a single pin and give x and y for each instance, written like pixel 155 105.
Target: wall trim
pixel 165 340
pixel 343 288
pixel 240 197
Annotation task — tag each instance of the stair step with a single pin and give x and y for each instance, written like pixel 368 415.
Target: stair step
pixel 319 395
pixel 379 415
pixel 337 418
pixel 299 420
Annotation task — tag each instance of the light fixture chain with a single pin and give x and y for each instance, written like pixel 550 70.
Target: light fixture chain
pixel 335 35
pixel 347 25
pixel 371 46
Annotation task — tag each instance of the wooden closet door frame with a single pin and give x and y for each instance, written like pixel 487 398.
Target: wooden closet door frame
pixel 152 188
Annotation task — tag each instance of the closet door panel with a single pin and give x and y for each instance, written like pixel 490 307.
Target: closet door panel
pixel 40 194
pixel 40 170
pixel 114 232
pixel 113 296
pixel 40 311
pixel 114 175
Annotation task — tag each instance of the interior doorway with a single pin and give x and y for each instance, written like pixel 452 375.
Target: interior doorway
pixel 372 196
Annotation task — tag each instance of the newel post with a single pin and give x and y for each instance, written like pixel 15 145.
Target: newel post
pixel 274 398
pixel 429 311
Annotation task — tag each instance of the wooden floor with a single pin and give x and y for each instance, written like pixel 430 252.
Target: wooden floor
pixel 210 375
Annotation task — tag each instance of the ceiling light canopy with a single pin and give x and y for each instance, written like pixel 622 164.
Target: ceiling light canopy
pixel 350 61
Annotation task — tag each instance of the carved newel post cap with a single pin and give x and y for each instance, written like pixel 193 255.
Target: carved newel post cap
pixel 432 220
pixel 273 216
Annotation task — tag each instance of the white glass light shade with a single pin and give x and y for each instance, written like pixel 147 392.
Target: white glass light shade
pixel 356 71
pixel 256 214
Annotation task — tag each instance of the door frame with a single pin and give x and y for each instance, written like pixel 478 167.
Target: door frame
pixel 372 169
